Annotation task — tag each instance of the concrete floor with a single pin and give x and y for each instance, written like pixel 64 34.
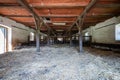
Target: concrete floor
pixel 59 63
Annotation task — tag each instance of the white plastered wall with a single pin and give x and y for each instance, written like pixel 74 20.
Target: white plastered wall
pixel 9 30
pixel 104 32
pixel 17 33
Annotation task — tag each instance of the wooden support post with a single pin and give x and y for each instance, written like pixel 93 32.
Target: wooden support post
pixel 80 42
pixel 79 26
pixel 48 39
pixel 75 37
pixel 56 40
pixel 63 40
pixel 37 41
pixel 70 40
pixel 52 40
pixel 38 25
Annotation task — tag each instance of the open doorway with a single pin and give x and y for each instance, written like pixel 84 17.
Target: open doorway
pixel 32 36
pixel 3 40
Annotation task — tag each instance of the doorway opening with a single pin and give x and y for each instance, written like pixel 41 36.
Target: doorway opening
pixel 5 39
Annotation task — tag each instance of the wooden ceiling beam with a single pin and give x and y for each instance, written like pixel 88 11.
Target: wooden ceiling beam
pixel 48 22
pixel 95 18
pixel 60 16
pixel 65 16
pixel 60 22
pixel 60 25
pixel 61 28
pixel 57 5
pixel 54 16
pixel 104 14
pixel 108 5
pixel 94 21
pixel 109 1
pixel 86 23
pixel 17 16
pixel 9 5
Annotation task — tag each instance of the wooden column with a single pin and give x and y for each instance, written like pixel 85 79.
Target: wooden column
pixel 38 25
pixel 48 39
pixel 79 26
pixel 37 18
pixel 70 40
pixel 37 41
pixel 75 37
pixel 65 40
pixel 80 42
pixel 52 40
pixel 56 39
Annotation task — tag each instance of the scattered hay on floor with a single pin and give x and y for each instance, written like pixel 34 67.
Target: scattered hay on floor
pixel 59 63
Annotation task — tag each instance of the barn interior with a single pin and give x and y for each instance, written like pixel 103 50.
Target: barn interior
pixel 59 39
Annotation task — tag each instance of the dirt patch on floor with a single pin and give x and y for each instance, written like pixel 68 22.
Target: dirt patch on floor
pixel 59 63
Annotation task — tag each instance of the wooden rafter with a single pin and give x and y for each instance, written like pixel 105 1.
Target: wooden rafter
pixel 36 17
pixel 90 5
pixel 53 12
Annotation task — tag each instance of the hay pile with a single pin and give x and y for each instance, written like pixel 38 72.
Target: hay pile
pixel 59 63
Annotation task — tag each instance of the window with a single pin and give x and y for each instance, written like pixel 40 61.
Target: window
pixel 117 32
pixel 32 36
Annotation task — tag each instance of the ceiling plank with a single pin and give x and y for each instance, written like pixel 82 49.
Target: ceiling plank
pixel 13 11
pixel 8 1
